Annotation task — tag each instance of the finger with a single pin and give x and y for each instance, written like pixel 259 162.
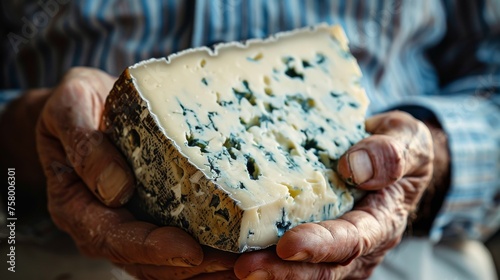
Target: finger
pixel 117 236
pixel 110 233
pixel 215 265
pixel 266 264
pixel 401 146
pixel 375 224
pixel 72 115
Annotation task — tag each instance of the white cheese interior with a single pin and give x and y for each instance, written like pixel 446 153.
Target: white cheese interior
pixel 265 121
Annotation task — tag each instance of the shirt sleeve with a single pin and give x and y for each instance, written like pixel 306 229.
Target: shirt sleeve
pixel 468 108
pixel 6 96
pixel 472 205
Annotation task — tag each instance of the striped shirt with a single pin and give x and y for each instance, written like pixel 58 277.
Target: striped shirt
pixel 442 56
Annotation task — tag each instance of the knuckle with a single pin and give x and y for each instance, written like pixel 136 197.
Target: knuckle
pixel 366 242
pixel 398 119
pixel 352 239
pixel 72 86
pixel 401 116
pixel 91 76
pixel 79 72
pixel 61 105
pixel 395 121
pixel 393 159
pixel 425 136
pixel 76 87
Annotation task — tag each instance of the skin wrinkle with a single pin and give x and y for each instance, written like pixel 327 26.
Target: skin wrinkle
pixel 396 210
pixel 411 188
pixel 365 234
pixel 333 252
pixel 321 274
pixel 379 213
pixel 397 162
pixel 315 260
pixel 358 246
pixel 48 169
pixel 83 225
pixel 352 231
pixel 64 197
pixel 83 149
pixel 417 157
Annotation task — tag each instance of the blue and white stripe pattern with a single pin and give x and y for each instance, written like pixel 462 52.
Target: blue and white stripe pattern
pixel 441 55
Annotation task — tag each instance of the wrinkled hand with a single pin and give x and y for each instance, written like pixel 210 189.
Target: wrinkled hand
pixel 86 176
pixel 395 164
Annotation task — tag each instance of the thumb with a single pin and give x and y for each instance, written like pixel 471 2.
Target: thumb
pixel 400 146
pixel 373 163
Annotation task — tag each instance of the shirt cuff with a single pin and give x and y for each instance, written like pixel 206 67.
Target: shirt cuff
pixel 472 205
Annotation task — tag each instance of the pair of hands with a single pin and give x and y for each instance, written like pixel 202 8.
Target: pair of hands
pixel 88 179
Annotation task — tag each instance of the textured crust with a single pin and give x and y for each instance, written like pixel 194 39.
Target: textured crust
pixel 169 188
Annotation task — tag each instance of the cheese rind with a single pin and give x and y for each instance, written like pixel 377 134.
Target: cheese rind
pixel 238 145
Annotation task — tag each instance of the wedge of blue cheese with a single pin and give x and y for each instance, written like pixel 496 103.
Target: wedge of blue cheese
pixel 238 144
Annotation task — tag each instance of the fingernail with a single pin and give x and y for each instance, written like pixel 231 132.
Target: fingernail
pixel 181 262
pixel 111 182
pixel 258 275
pixel 361 166
pixel 300 256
